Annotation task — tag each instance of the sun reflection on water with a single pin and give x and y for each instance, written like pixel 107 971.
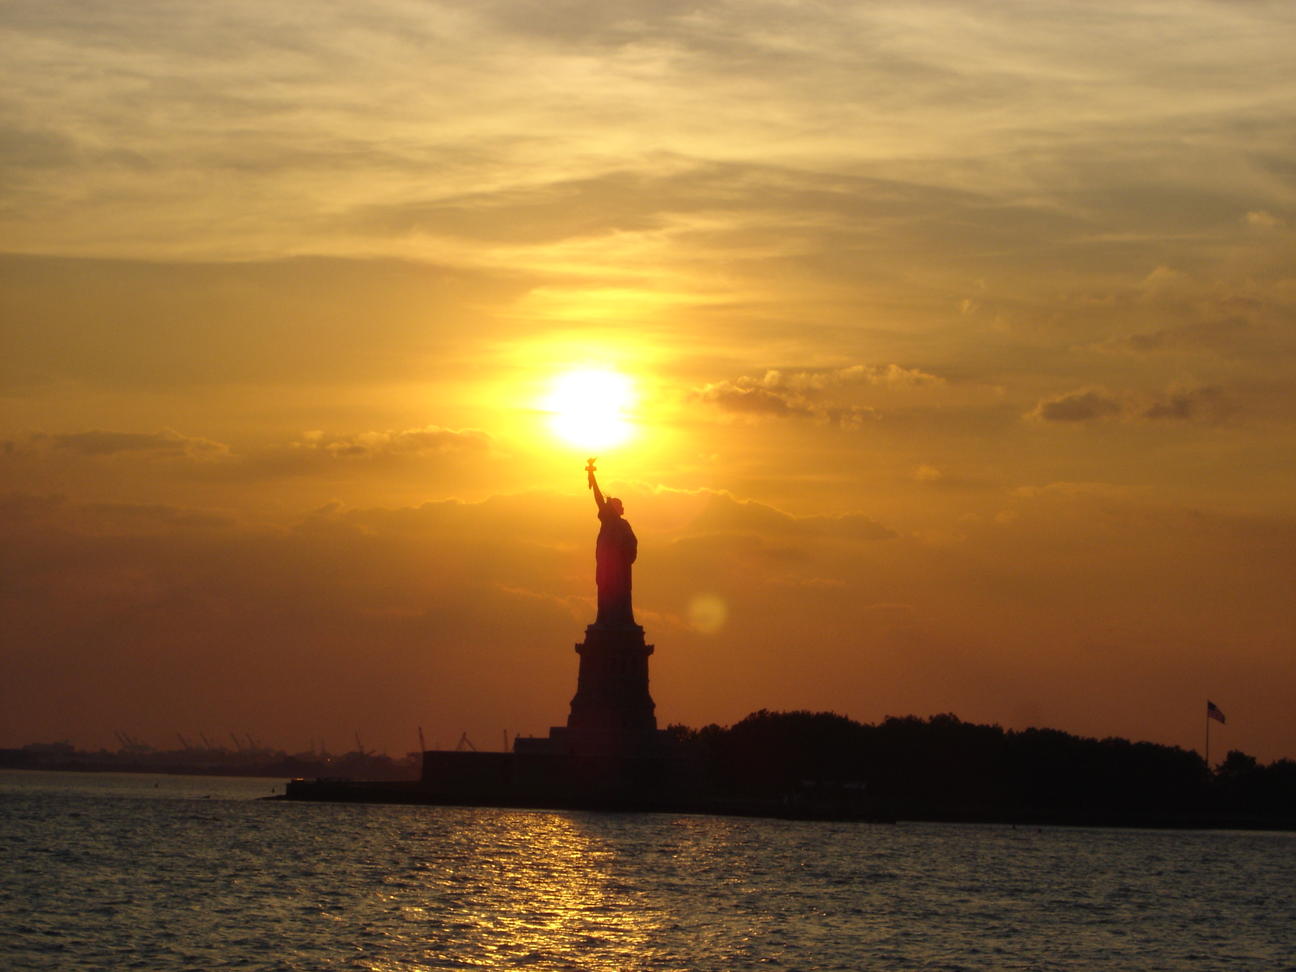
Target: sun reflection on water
pixel 530 889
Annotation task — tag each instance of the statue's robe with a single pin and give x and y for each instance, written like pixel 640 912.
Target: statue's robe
pixel 614 552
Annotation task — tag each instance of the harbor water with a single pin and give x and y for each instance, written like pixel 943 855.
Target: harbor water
pixel 114 871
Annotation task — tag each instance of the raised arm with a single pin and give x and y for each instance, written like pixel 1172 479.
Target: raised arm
pixel 593 484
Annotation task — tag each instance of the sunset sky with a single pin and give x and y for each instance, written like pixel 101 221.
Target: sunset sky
pixel 956 347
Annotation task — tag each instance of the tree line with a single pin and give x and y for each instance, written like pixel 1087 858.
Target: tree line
pixel 944 768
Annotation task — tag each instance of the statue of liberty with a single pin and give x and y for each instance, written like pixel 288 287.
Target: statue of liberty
pixel 614 552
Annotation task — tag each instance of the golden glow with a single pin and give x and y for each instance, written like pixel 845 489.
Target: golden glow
pixel 543 885
pixel 590 407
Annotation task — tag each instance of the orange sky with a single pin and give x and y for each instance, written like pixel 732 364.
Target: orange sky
pixel 962 340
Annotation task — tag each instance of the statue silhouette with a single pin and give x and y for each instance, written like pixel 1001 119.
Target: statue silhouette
pixel 615 551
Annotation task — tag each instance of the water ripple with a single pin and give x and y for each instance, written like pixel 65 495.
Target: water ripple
pixel 189 873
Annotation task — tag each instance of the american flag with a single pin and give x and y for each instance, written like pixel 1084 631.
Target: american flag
pixel 1213 711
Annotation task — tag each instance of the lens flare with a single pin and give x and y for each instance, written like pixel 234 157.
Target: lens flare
pixel 707 613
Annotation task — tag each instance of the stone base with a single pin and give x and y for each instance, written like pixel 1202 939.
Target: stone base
pixel 595 743
pixel 612 686
pixel 609 753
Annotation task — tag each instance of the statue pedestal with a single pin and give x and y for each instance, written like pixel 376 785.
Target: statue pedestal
pixel 610 754
pixel 612 713
pixel 612 685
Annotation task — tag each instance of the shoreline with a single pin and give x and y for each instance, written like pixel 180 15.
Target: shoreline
pixel 412 793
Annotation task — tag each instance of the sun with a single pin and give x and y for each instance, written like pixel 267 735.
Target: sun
pixel 589 408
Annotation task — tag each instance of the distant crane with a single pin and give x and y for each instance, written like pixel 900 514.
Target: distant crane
pixel 464 741
pixel 130 744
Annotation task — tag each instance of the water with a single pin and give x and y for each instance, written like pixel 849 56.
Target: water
pixel 113 871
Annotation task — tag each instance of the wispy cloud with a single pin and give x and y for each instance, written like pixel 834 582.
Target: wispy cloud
pixel 430 440
pixel 165 444
pixel 821 394
pixel 1094 404
pixel 1078 406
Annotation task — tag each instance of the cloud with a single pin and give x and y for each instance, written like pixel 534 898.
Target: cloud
pixel 325 456
pixel 885 376
pixel 1223 336
pixel 535 214
pixel 129 324
pixel 1205 402
pixel 24 513
pixel 1262 219
pixel 157 515
pixel 34 149
pixel 165 444
pixel 1066 491
pixel 928 474
pixel 529 98
pixel 1164 281
pixel 428 441
pixel 1186 404
pixel 1078 406
pixel 360 456
pixel 811 393
pixel 753 396
pixel 723 513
